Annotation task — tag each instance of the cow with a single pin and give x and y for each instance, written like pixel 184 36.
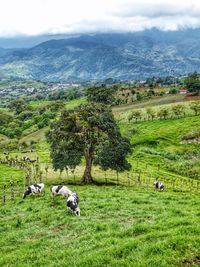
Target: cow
pixel 159 185
pixel 33 189
pixel 61 190
pixel 72 204
pixel 26 159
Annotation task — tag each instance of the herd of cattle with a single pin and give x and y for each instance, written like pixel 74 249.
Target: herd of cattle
pixel 72 197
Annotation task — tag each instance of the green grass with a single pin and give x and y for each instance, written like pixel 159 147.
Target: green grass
pixel 39 103
pixel 69 104
pixel 6 172
pixel 119 226
pixel 159 143
pixel 76 102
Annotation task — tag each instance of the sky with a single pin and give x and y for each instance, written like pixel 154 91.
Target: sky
pixel 37 17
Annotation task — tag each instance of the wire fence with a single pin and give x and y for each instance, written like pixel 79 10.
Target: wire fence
pixel 11 190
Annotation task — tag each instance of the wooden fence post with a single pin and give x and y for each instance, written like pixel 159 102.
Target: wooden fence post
pixel 11 188
pixel 181 189
pixel 173 184
pixel 40 177
pixel 128 179
pixel 139 178
pixel 105 177
pixel 117 177
pixel 4 191
pixel 18 189
pixel 191 182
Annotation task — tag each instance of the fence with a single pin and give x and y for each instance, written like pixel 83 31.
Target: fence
pixel 10 188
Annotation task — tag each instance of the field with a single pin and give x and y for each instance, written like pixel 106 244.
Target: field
pixel 130 225
pixel 119 226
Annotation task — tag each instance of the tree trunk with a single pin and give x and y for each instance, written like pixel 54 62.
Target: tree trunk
pixel 87 176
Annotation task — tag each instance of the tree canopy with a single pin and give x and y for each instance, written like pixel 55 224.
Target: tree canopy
pixel 101 94
pixel 192 82
pixel 90 132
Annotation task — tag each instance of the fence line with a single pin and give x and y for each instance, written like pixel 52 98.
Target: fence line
pixel 11 189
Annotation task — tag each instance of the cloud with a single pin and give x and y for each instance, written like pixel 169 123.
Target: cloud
pixel 35 17
pixel 156 9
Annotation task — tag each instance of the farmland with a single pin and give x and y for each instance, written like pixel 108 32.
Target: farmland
pixel 128 224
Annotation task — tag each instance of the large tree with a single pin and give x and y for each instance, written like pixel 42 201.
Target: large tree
pixel 90 132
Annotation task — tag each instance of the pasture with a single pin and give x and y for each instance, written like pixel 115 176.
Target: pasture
pixel 127 223
pixel 119 226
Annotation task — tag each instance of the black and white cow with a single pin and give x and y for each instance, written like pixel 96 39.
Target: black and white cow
pixel 61 190
pixel 72 204
pixel 26 159
pixel 158 185
pixel 34 189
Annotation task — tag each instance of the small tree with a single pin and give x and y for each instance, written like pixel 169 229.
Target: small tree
pixel 88 131
pixel 178 110
pixel 151 113
pixel 18 105
pixel 163 113
pixel 195 106
pixel 192 82
pixel 136 115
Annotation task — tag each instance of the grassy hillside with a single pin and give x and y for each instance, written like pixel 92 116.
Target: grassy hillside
pixel 119 226
pixel 160 143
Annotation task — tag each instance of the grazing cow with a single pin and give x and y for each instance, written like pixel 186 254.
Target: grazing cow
pixel 34 189
pixel 61 190
pixel 26 159
pixel 158 185
pixel 72 204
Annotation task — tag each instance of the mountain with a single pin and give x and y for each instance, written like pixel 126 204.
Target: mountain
pixel 137 55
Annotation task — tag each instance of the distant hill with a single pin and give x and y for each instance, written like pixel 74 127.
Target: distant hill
pixel 100 56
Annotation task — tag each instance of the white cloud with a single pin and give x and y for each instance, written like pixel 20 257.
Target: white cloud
pixel 33 17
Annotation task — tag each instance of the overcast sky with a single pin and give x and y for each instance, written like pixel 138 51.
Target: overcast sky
pixel 35 17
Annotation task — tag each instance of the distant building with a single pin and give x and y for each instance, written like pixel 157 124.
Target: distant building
pixel 183 91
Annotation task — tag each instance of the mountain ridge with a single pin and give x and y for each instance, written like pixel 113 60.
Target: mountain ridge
pixel 123 56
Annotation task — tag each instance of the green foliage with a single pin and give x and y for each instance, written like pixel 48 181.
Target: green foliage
pixel 101 94
pixel 82 132
pixel 5 118
pixel 66 94
pixel 173 90
pixel 135 114
pixel 112 154
pixel 163 113
pixel 151 113
pixel 192 83
pixel 178 109
pixel 18 105
pixel 195 106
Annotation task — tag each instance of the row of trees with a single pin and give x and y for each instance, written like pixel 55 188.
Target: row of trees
pixel 165 112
